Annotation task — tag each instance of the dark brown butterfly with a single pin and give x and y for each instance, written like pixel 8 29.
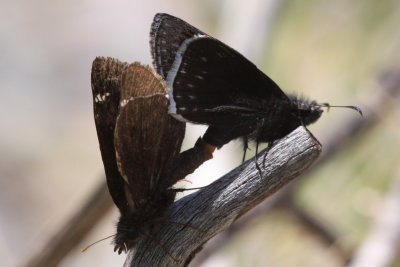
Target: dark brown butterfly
pixel 213 84
pixel 140 145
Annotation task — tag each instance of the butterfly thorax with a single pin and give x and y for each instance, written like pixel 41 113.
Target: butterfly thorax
pixel 275 119
pixel 284 117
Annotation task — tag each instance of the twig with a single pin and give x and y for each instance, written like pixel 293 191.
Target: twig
pixel 215 207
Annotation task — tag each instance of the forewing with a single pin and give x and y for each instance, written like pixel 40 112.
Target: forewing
pixel 213 84
pixel 106 81
pixel 166 36
pixel 147 140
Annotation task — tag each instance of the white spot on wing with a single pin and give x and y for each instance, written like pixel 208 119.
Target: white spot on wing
pixel 126 101
pixel 99 98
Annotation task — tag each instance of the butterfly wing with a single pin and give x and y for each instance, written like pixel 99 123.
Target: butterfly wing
pixel 147 140
pixel 106 81
pixel 213 84
pixel 166 36
pixel 206 76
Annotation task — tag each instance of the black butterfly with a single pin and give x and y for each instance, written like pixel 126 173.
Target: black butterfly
pixel 213 84
pixel 140 145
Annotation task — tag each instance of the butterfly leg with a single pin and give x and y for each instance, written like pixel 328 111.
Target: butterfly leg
pixel 245 147
pixel 256 159
pixel 179 190
pixel 185 180
pixel 269 146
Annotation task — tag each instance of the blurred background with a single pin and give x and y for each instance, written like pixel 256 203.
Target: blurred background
pixel 341 52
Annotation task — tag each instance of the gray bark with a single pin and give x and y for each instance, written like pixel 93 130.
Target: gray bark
pixel 214 208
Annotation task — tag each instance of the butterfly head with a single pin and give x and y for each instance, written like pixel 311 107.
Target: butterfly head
pixel 307 111
pixel 127 235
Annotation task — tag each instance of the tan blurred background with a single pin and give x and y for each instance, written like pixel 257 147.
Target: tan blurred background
pixel 332 51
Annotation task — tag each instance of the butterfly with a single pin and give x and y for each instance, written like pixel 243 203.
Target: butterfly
pixel 211 83
pixel 140 146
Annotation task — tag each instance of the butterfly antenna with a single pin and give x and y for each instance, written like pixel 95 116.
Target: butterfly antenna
pixel 351 107
pixel 94 243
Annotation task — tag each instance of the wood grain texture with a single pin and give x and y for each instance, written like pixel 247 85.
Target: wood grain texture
pixel 216 207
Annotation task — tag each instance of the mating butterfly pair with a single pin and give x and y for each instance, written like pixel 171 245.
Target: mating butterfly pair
pixel 208 83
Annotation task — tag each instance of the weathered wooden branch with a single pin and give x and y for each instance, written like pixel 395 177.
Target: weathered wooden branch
pixel 214 208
